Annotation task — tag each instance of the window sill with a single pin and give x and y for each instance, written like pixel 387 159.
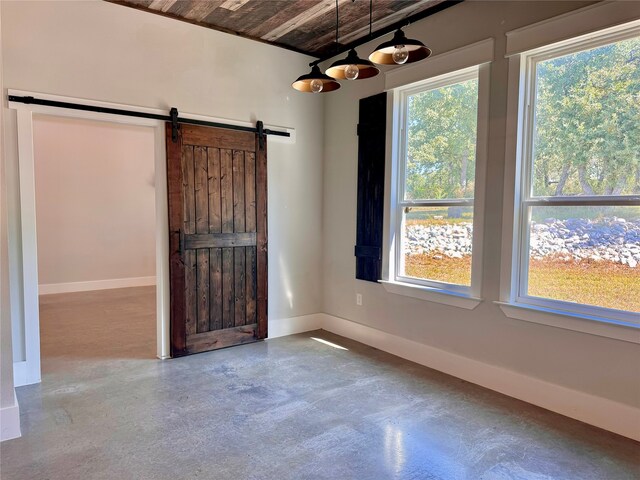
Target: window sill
pixel 430 294
pixel 592 325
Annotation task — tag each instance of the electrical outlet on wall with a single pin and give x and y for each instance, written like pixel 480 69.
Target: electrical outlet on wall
pixel 359 299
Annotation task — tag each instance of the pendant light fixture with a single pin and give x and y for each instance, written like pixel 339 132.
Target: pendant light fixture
pixel 397 51
pixel 400 50
pixel 315 81
pixel 352 67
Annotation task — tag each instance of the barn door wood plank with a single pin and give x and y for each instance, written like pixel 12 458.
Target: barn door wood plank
pixel 219 240
pixel 226 190
pixel 239 222
pixel 261 225
pixel 226 195
pixel 201 187
pixel 213 170
pixel 215 315
pixel 203 342
pixel 217 138
pixel 190 262
pixel 239 258
pixel 250 209
pixel 215 226
pixel 176 260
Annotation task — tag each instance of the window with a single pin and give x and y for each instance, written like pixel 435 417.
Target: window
pixel 435 172
pixel 578 242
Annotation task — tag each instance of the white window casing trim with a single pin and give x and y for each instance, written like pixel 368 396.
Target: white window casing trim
pixel 584 21
pixel 390 187
pixel 431 294
pixel 468 56
pixel 460 296
pixel 593 325
pixel 510 214
pixel 397 202
pixel 618 317
pixel 583 318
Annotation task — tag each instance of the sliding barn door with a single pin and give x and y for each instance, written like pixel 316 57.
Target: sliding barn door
pixel 217 181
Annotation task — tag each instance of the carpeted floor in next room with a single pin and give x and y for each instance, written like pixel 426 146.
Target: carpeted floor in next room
pixel 287 408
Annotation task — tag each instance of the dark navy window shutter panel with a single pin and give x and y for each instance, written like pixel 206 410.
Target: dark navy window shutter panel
pixel 371 160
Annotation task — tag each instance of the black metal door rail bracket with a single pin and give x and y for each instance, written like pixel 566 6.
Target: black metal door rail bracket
pixel 172 117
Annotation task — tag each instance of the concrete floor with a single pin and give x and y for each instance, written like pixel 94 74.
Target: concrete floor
pixel 288 408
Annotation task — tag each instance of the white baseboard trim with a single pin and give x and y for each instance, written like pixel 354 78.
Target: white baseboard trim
pixel 23 376
pixel 50 288
pixel 10 421
pixel 290 326
pixel 19 373
pixel 600 412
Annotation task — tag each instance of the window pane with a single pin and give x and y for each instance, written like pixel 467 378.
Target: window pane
pixel 436 244
pixel 441 142
pixel 588 255
pixel 587 132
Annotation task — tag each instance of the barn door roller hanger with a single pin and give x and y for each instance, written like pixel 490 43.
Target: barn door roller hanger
pixel 172 117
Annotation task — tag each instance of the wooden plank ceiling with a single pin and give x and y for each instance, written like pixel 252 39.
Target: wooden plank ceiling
pixel 306 26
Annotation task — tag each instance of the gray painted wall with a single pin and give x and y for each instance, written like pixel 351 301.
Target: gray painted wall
pixel 596 365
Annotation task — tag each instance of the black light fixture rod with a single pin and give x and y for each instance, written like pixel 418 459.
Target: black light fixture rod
pixel 133 113
pixel 337 26
pixel 390 28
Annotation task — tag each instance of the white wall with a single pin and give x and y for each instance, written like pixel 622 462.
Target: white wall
pixel 95 202
pixel 591 364
pixel 9 410
pixel 101 51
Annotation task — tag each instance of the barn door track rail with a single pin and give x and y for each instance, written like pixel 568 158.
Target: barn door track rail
pixel 172 117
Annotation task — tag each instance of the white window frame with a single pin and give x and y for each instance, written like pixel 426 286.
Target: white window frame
pixel 523 198
pixel 441 292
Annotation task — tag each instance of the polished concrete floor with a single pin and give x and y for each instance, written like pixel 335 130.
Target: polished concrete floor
pixel 287 408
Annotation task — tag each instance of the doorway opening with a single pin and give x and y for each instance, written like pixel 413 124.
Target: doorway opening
pixel 24 275
pixel 95 224
pixel 24 270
